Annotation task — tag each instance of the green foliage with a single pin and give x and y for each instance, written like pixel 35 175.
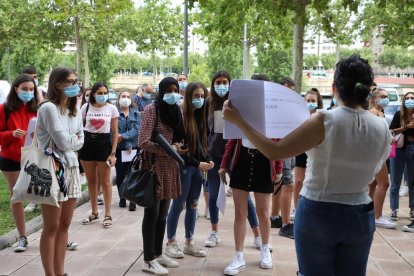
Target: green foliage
pixel 101 63
pixel 274 61
pixel 310 61
pixel 396 57
pixel 328 61
pixel 229 58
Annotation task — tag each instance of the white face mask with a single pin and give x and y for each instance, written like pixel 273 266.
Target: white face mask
pixel 125 102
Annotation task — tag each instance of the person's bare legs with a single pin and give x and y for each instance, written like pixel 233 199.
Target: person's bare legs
pixel 90 171
pixel 262 210
pixel 381 190
pixel 51 218
pixel 104 172
pixel 285 202
pixel 16 208
pixel 299 178
pixel 276 204
pixel 240 216
pixel 61 241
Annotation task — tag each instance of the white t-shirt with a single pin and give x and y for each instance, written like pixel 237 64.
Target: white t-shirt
pixel 98 120
pixel 356 146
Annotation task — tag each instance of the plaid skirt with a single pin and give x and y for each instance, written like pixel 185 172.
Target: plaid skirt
pixel 72 179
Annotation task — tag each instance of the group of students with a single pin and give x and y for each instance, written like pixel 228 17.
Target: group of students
pixel 345 148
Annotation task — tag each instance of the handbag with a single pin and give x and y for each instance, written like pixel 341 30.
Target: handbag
pixel 139 183
pixel 41 176
pixel 399 140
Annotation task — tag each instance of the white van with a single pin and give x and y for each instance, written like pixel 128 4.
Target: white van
pixel 392 94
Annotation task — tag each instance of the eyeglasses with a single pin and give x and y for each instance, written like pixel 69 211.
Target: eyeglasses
pixel 384 97
pixel 71 82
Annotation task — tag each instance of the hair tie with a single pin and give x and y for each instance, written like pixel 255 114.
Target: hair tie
pixel 358 85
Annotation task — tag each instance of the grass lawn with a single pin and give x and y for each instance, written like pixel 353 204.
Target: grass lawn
pixel 6 219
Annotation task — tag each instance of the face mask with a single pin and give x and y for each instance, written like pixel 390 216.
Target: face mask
pixel 71 91
pixel 221 89
pixel 334 101
pixel 182 85
pixel 409 103
pixel 198 103
pixel 25 96
pixel 171 98
pixel 87 99
pixel 101 98
pixel 125 102
pixel 312 106
pixel 36 82
pixel 384 102
pixel 147 96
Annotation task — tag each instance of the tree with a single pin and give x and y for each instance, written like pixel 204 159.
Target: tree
pixel 155 28
pixel 275 61
pixel 311 61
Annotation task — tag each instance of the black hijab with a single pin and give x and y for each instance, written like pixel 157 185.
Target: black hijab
pixel 170 114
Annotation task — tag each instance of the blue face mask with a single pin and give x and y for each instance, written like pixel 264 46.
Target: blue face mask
pixel 312 106
pixel 384 102
pixel 334 101
pixel 198 103
pixel 147 96
pixel 25 96
pixel 409 103
pixel 221 89
pixel 182 85
pixel 171 98
pixel 71 91
pixel 101 98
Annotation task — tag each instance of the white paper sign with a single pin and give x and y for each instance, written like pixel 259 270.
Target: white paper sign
pixel 272 109
pixel 126 156
pixel 221 198
pixel 30 132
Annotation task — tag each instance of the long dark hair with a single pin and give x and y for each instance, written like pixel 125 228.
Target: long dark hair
pixel 194 118
pixel 170 114
pixel 13 102
pixel 213 98
pixel 55 94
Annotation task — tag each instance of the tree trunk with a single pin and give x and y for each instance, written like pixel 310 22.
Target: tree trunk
pixel 86 63
pixel 78 49
pixel 298 35
pixel 154 69
pixel 338 51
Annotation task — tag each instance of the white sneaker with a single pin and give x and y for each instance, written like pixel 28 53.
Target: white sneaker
pixel 265 258
pixel 30 207
pixel 173 251
pixel 192 249
pixel 237 265
pixel 383 222
pixel 100 200
pixel 207 213
pixel 257 243
pixel 292 214
pixel 404 190
pixel 213 239
pixel 166 261
pixel 21 245
pixel 71 245
pixel 229 192
pixel 154 267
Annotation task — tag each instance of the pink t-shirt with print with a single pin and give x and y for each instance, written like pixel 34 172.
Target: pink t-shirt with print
pixel 98 120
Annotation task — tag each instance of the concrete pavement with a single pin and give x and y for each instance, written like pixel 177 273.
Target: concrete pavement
pixel 118 250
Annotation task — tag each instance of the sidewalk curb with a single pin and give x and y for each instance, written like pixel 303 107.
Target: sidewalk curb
pixel 34 225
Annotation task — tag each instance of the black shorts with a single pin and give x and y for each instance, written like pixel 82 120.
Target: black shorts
pixel 9 165
pixel 301 160
pixel 252 172
pixel 97 147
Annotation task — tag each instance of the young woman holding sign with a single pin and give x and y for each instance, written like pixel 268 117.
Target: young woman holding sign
pixel 335 195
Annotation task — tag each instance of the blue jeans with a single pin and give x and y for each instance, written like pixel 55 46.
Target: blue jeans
pixel 251 213
pixel 403 158
pixel 213 179
pixel 332 238
pixel 191 188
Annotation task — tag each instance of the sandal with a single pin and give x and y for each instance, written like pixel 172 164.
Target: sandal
pixel 92 217
pixel 107 222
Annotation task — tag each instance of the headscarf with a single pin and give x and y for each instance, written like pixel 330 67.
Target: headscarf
pixel 170 114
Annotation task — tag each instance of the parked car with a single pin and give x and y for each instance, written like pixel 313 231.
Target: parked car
pixel 390 110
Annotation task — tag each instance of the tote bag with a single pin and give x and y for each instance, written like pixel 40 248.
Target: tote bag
pixel 41 176
pixel 140 182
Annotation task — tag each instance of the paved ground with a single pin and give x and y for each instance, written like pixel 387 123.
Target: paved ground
pixel 118 251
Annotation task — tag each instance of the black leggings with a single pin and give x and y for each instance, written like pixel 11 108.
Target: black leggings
pixel 153 228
